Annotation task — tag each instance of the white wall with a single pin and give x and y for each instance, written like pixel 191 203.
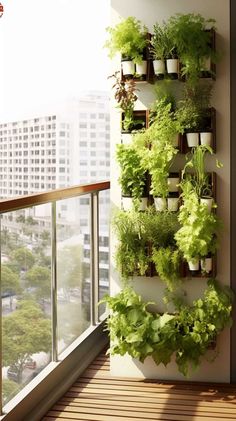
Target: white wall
pixel 149 12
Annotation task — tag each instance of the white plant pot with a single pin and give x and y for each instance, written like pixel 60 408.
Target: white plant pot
pixel 192 139
pixel 207 201
pixel 172 184
pixel 172 65
pixel 206 64
pixel 193 266
pixel 173 204
pixel 206 138
pixel 206 264
pixel 141 68
pixel 159 67
pixel 126 138
pixel 143 203
pixel 160 203
pixel 127 203
pixel 128 67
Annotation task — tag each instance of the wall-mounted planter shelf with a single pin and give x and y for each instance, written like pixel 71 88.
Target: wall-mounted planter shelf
pixel 210 128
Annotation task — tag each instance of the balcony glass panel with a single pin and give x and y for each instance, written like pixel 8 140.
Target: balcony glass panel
pixel 26 296
pixel 73 269
pixel 104 212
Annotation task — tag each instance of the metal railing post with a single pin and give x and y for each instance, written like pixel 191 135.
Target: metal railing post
pixel 94 256
pixel 54 286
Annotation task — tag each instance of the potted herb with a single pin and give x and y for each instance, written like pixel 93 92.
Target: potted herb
pixel 131 255
pixel 158 43
pixel 194 114
pixel 129 38
pixel 201 181
pixel 197 236
pixel 167 264
pixel 193 43
pixel 132 178
pixel 125 95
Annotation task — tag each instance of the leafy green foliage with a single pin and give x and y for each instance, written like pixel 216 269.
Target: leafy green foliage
pixel 10 281
pixel 159 157
pixel 192 41
pixel 187 334
pixel 197 236
pixel 133 175
pixel 23 257
pixel 167 263
pixel 131 253
pixel 135 232
pixel 162 45
pixel 128 38
pixel 25 332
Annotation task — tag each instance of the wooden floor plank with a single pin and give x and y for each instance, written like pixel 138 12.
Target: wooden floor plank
pixel 98 396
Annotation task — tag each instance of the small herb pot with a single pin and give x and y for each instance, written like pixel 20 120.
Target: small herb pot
pixel 126 138
pixel 192 139
pixel 173 181
pixel 206 138
pixel 128 67
pixel 206 264
pixel 159 67
pixel 173 204
pixel 207 201
pixel 141 68
pixel 172 67
pixel 127 203
pixel 160 203
pixel 193 265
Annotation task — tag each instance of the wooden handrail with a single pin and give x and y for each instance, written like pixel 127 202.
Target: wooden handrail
pixel 9 205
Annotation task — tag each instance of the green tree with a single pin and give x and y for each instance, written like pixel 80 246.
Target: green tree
pixel 10 282
pixel 39 278
pixel 69 268
pixel 9 390
pixel 26 331
pixel 23 257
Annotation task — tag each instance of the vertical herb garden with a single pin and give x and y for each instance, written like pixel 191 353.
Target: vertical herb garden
pixel 167 226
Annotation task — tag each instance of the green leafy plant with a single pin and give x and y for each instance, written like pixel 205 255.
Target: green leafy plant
pixel 126 97
pixel 129 38
pixel 131 255
pixel 187 334
pixel 197 236
pixel 167 263
pixel 137 233
pixel 158 158
pixel 193 42
pixel 132 174
pixel 162 46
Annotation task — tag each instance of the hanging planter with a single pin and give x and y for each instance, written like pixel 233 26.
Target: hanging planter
pixel 172 67
pixel 173 181
pixel 192 139
pixel 141 69
pixel 194 265
pixel 173 204
pixel 159 68
pixel 207 201
pixel 127 67
pixel 128 203
pixel 206 138
pixel 160 204
pixel 206 264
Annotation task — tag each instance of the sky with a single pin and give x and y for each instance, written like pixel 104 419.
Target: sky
pixel 51 50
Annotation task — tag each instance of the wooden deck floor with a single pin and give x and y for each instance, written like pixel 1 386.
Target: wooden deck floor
pixel 100 397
